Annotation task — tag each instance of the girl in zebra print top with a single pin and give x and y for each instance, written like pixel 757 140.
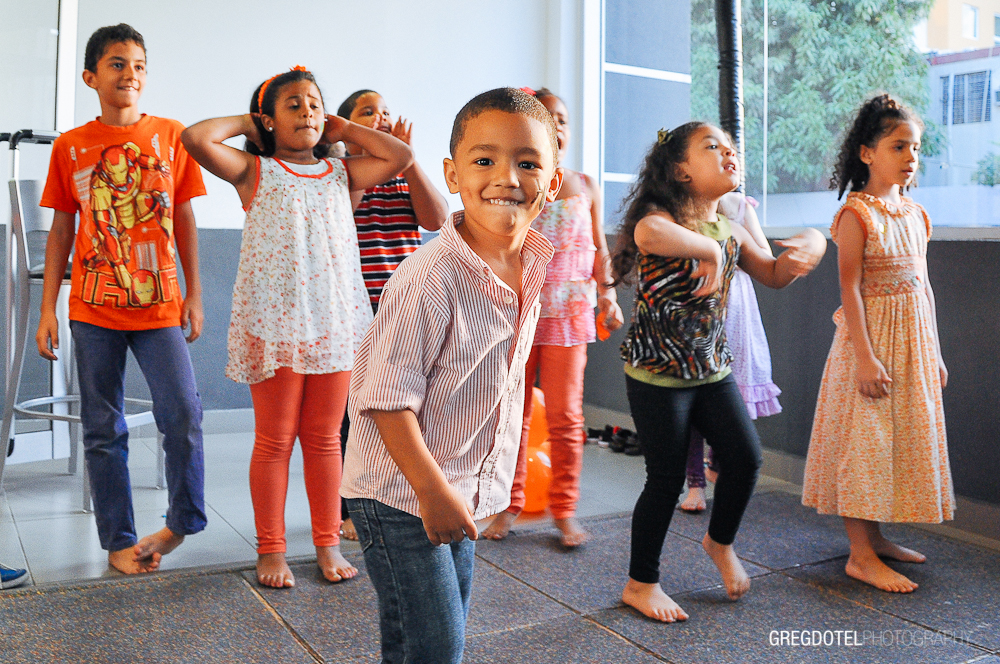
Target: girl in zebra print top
pixel 677 360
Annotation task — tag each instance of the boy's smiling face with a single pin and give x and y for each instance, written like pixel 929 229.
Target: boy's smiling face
pixel 504 170
pixel 120 75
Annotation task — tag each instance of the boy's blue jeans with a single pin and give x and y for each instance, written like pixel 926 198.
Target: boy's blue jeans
pixel 423 590
pixel 163 357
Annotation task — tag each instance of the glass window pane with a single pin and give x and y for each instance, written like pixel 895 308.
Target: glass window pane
pixel 635 108
pixel 648 33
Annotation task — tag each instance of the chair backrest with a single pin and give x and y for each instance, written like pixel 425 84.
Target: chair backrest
pixel 30 224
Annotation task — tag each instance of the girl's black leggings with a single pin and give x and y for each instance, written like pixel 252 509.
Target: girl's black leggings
pixel 663 419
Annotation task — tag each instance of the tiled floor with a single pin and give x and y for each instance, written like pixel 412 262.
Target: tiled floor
pixel 532 601
pixel 43 526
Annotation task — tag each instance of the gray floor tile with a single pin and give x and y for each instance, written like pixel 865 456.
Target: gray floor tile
pixel 591 577
pixel 501 602
pixel 776 532
pixel 338 620
pixel 957 593
pixel 341 620
pixel 726 632
pixel 213 618
pixel 567 639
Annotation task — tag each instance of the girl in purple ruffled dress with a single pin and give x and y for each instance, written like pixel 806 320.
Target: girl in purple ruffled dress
pixel 751 356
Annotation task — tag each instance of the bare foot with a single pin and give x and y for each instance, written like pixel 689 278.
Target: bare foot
pixel 650 600
pixel 572 534
pixel 695 501
pixel 711 475
pixel 876 573
pixel 157 545
pixel 734 577
pixel 887 549
pixel 500 526
pixel 124 561
pixel 347 530
pixel 334 566
pixel 273 571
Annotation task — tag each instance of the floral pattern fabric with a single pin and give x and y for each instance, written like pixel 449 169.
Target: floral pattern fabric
pixel 884 459
pixel 570 293
pixel 299 300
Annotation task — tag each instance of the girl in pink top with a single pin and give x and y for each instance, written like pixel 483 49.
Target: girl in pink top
pixel 300 308
pixel 577 280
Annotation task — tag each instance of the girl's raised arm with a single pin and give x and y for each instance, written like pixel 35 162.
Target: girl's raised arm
pixel 385 156
pixel 803 253
pixel 204 142
pixel 660 235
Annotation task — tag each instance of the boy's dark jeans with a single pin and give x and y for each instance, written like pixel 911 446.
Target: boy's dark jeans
pixel 163 357
pixel 423 589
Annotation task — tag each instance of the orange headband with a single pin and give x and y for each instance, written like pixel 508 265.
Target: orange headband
pixel 263 88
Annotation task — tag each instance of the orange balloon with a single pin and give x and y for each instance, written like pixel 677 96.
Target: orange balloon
pixel 538 432
pixel 536 484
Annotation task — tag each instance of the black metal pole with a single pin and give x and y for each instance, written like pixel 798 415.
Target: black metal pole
pixel 730 36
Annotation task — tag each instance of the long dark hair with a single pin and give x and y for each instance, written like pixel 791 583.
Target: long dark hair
pixel 657 188
pixel 877 117
pixel 265 106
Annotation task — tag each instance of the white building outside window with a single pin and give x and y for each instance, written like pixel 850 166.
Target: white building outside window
pixel 970 22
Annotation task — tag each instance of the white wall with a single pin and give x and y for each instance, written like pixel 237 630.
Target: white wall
pixel 426 58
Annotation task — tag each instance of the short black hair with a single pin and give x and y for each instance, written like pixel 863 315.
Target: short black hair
pixel 508 100
pixel 106 36
pixel 348 105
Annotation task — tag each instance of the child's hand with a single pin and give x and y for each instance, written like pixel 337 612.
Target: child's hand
pixel 943 370
pixel 447 517
pixel 710 271
pixel 402 130
pixel 333 132
pixel 192 314
pixel 609 313
pixel 48 331
pixel 251 131
pixel 804 251
pixel 873 379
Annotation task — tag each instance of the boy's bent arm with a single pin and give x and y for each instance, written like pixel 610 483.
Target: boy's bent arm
pixel 186 236
pixel 57 250
pixel 445 513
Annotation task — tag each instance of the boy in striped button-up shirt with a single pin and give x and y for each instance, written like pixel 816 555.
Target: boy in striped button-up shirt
pixel 438 385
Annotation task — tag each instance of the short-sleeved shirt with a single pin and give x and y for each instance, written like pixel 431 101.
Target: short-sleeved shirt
pixel 387 232
pixel 449 342
pixel 126 183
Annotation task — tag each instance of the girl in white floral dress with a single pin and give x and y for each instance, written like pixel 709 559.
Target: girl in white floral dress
pixel 300 308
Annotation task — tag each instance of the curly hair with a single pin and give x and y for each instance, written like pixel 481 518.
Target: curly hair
pixel 657 188
pixel 265 106
pixel 877 117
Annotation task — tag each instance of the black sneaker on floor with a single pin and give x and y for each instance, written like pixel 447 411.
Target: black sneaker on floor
pixel 619 441
pixel 632 446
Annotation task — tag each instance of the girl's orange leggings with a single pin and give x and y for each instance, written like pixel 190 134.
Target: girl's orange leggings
pixel 560 375
pixel 309 407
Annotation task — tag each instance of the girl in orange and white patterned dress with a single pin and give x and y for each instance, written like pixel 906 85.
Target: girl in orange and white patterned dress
pixel 300 307
pixel 878 451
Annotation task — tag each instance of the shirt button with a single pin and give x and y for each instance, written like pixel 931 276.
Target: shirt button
pixel 508 299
